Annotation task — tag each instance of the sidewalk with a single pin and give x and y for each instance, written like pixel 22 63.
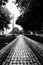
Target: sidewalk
pixel 6 49
pixel 35 45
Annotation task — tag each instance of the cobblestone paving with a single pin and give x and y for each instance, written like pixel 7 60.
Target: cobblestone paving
pixel 21 54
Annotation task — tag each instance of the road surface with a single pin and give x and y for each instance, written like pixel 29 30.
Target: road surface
pixel 21 54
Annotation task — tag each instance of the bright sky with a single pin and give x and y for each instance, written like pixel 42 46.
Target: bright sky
pixel 15 12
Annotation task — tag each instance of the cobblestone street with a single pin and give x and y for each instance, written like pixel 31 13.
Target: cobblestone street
pixel 21 54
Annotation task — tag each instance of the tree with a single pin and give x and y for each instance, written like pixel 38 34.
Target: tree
pixel 15 31
pixel 32 19
pixel 3 2
pixel 4 17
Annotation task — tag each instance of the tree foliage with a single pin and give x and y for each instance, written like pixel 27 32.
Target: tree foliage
pixel 33 17
pixel 4 17
pixel 3 2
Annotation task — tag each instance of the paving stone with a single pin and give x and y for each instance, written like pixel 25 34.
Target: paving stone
pixel 4 63
pixel 7 64
pixel 8 60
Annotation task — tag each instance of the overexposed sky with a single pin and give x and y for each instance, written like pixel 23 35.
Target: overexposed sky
pixel 15 13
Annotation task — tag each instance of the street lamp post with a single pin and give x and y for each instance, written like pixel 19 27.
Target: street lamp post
pixel 13 24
